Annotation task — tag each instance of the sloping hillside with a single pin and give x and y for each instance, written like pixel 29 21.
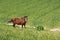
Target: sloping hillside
pixel 40 12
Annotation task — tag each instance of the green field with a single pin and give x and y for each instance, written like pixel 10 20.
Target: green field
pixel 44 13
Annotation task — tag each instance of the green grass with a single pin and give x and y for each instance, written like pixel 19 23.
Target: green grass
pixel 40 12
pixel 7 32
pixel 44 13
pixel 10 33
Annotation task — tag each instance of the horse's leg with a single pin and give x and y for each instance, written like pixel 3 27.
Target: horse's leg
pixel 22 26
pixel 13 25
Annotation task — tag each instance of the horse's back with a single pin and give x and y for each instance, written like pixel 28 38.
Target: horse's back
pixel 18 20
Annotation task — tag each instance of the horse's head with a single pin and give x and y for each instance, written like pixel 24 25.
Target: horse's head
pixel 25 18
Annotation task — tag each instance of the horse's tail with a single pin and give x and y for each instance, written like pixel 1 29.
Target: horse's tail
pixel 9 21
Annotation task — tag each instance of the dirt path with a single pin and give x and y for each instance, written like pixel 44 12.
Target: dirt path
pixel 55 29
pixel 28 26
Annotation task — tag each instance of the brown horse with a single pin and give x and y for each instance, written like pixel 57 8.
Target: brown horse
pixel 19 21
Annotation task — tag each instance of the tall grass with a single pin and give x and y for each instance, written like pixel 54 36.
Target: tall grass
pixel 10 33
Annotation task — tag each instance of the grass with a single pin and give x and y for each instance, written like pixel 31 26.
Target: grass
pixel 10 33
pixel 44 13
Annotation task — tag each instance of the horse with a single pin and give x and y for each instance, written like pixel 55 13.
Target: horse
pixel 19 21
